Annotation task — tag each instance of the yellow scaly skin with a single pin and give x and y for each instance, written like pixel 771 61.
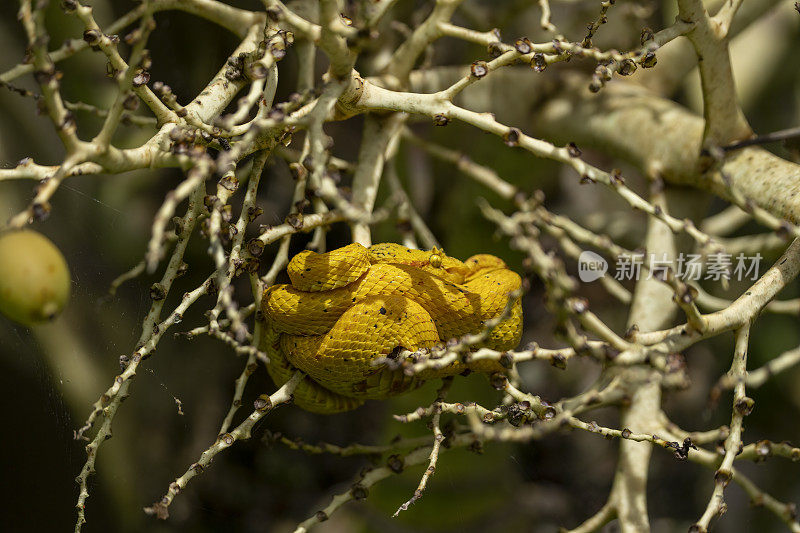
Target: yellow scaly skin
pixel 350 306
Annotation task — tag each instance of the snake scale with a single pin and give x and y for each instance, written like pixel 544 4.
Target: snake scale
pixel 350 306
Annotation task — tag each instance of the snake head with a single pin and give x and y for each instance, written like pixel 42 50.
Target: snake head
pixel 448 267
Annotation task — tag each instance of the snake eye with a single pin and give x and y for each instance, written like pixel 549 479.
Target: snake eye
pixel 435 260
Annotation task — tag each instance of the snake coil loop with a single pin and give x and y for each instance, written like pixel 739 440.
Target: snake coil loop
pixel 348 307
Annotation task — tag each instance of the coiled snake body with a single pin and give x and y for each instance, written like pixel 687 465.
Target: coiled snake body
pixel 348 307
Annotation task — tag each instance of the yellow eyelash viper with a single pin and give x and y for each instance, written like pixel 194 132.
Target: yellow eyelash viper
pixel 352 305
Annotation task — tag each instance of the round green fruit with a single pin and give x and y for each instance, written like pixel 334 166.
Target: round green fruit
pixel 34 277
